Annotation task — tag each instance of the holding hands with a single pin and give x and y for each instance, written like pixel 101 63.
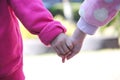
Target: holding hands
pixel 62 45
pixel 67 47
pixel 77 40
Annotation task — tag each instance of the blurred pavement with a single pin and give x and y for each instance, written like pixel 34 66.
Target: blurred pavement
pixel 95 65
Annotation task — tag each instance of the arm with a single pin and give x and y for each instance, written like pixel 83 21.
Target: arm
pixel 37 19
pixel 77 40
pixel 96 13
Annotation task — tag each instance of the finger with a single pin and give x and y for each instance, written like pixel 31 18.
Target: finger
pixel 69 53
pixel 65 49
pixel 66 52
pixel 73 53
pixel 63 59
pixel 60 50
pixel 65 56
pixel 70 56
pixel 57 51
pixel 69 44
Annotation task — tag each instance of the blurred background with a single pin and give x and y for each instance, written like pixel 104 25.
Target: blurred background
pixel 99 58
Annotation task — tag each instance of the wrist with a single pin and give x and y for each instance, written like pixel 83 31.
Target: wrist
pixel 86 27
pixel 78 35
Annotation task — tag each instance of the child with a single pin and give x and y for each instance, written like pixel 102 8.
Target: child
pixel 94 13
pixel 37 20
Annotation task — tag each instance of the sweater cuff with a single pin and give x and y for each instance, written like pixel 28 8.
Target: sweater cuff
pixel 85 27
pixel 49 34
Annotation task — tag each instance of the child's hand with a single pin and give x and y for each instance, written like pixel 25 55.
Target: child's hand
pixel 76 49
pixel 62 45
pixel 77 41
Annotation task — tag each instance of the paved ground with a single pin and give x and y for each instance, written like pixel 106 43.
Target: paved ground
pixel 98 65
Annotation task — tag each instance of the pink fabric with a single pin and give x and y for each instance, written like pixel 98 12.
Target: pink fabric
pixel 35 18
pixel 99 12
pixel 17 75
pixel 96 13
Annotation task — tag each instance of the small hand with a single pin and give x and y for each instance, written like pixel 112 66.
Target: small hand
pixel 77 41
pixel 75 50
pixel 62 45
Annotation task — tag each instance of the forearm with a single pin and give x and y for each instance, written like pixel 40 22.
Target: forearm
pixel 37 19
pixel 96 13
pixel 78 35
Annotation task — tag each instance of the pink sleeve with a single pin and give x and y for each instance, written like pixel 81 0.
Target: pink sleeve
pixel 96 13
pixel 37 19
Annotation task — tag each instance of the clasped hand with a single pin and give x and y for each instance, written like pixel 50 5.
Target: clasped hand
pixel 67 47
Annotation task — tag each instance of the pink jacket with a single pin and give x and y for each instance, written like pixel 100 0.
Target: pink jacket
pixel 35 18
pixel 96 13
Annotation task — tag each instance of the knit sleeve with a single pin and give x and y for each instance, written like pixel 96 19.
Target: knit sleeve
pixel 37 19
pixel 96 13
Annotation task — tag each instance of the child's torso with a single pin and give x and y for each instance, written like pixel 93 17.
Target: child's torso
pixel 10 40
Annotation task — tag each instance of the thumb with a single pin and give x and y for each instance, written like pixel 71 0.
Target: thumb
pixel 73 53
pixel 69 44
